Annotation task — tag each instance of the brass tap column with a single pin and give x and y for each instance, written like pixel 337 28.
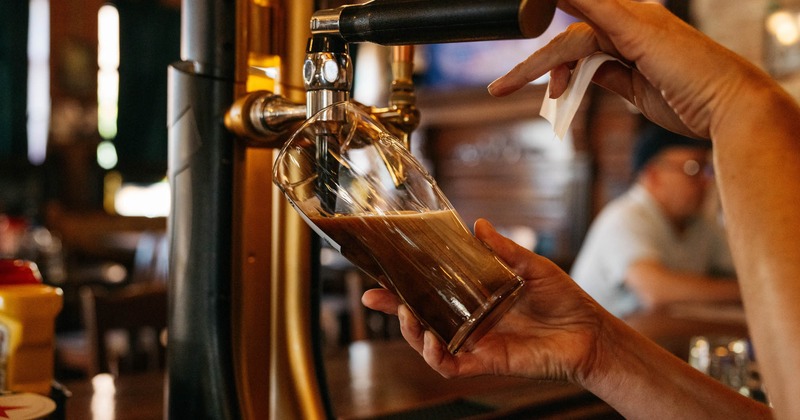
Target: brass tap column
pixel 272 285
pixel 240 342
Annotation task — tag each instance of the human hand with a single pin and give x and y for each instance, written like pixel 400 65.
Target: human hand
pixel 675 75
pixel 552 331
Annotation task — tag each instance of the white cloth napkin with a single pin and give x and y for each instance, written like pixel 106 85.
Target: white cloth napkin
pixel 561 111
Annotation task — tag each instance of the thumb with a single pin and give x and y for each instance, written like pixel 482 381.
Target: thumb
pixel 521 260
pixel 503 247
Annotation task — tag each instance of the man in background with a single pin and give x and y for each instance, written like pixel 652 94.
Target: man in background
pixel 655 245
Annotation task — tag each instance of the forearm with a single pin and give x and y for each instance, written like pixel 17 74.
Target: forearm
pixel 757 160
pixel 694 288
pixel 642 380
pixel 657 285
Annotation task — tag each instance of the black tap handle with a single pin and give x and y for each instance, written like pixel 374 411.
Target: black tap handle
pixel 394 22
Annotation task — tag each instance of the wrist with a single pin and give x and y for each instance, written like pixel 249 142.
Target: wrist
pixel 601 372
pixel 630 370
pixel 749 105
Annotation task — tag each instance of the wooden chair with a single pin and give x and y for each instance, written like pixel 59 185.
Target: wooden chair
pixel 76 350
pixel 125 328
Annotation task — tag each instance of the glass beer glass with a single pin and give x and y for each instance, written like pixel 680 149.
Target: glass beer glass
pixel 360 189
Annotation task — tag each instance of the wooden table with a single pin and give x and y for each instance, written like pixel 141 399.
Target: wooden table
pixel 371 378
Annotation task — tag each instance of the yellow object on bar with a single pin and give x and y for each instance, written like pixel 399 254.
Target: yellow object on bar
pixel 27 331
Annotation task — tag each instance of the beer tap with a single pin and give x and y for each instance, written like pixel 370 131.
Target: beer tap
pixel 327 72
pixel 328 78
pixel 264 118
pixel 401 117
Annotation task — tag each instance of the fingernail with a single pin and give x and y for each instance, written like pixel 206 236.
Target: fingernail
pixel 488 224
pixel 494 87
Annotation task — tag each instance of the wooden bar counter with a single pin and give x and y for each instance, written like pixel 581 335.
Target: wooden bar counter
pixel 672 327
pixel 369 379
pixel 372 379
pixel 387 379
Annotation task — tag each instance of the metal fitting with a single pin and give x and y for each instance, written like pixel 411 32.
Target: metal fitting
pixel 326 21
pixel 327 72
